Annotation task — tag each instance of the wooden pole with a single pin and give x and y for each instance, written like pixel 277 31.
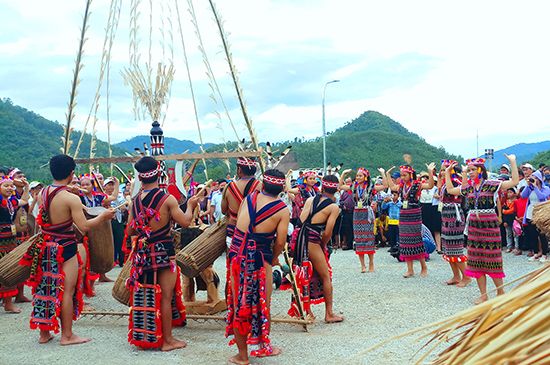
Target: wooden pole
pixel 199 317
pixel 175 157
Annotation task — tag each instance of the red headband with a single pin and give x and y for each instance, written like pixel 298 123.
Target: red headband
pixel 477 161
pixel 364 171
pixel 408 169
pixel 310 173
pixel 243 161
pixel 330 184
pixel 280 181
pixel 447 163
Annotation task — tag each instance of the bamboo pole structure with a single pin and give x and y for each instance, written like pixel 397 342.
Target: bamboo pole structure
pixel 197 317
pixel 173 157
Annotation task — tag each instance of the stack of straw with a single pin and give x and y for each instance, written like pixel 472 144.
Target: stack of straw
pixel 511 329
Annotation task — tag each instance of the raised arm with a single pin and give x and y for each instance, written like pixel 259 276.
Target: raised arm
pixel 389 182
pixel 25 196
pixel 289 188
pixel 341 182
pixel 505 185
pixel 430 183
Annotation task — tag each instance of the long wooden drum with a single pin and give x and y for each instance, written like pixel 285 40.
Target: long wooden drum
pixel 541 217
pixel 120 292
pixel 11 273
pixel 100 241
pixel 203 250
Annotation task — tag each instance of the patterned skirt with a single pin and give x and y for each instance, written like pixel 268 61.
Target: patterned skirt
pixel 452 232
pixel 411 246
pixel 363 231
pixel 484 245
pixel 6 245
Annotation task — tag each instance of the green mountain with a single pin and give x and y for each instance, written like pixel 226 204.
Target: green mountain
pixel 31 140
pixel 372 140
pixel 172 145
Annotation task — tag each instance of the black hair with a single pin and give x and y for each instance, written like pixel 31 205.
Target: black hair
pixel 146 164
pixel 219 181
pixel 520 173
pixel 62 166
pixel 484 172
pixel 332 179
pixel 271 188
pixel 247 170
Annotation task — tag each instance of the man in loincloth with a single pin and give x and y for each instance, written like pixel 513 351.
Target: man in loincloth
pixel 154 277
pixel 259 238
pixel 54 258
pixel 309 249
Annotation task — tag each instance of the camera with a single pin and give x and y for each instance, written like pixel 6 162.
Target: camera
pixel 531 180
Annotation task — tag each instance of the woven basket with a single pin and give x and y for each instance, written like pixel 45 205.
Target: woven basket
pixel 541 217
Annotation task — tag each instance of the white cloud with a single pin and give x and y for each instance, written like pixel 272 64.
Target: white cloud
pixel 485 66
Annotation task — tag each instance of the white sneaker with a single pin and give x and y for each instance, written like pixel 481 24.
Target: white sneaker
pixel 544 259
pixel 534 258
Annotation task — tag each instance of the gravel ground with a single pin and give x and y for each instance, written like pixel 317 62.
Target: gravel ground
pixel 376 305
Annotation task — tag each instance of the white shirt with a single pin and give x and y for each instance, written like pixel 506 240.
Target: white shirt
pixel 216 202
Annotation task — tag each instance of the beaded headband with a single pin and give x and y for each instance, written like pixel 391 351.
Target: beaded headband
pixel 13 172
pixel 477 161
pixel 243 161
pixel 5 179
pixel 149 174
pixel 310 173
pixel 330 184
pixel 274 180
pixel 364 171
pixel 408 169
pixel 86 176
pixel 447 163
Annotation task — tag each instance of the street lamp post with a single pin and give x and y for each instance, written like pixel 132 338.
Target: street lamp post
pixel 325 129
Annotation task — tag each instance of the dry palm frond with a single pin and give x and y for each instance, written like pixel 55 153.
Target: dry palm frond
pixel 191 89
pixel 212 79
pixel 66 139
pixel 513 328
pixel 235 78
pixel 112 23
pixel 152 98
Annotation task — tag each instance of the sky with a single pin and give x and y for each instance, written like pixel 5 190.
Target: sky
pixel 446 70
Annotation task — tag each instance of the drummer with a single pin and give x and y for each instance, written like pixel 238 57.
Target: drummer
pixel 57 288
pixel 153 266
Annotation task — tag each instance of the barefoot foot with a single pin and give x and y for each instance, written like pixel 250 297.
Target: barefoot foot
pixel 10 308
pixel 73 340
pixel 452 281
pixel 45 338
pixel 481 299
pixel 238 360
pixel 464 282
pixel 363 270
pixel 408 275
pixel 423 273
pixel 334 319
pixel 173 344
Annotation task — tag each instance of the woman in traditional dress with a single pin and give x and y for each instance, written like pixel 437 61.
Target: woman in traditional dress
pixel 8 233
pixel 308 189
pixel 482 224
pixel 411 247
pixel 363 191
pixel 452 226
